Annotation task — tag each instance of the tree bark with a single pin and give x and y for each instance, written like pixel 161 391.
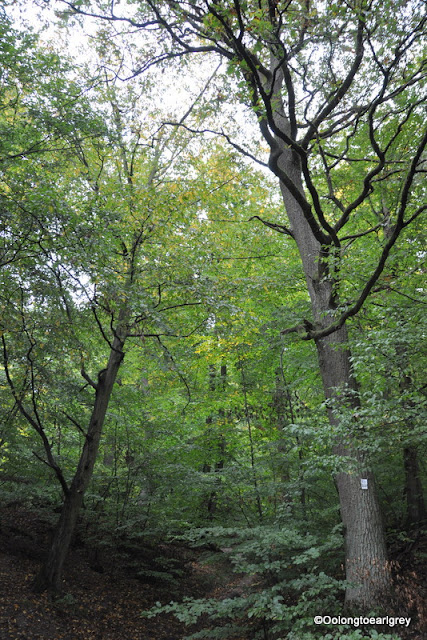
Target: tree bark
pixel 367 569
pixel 50 575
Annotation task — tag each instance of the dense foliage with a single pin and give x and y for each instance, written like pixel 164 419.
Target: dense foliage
pixel 148 279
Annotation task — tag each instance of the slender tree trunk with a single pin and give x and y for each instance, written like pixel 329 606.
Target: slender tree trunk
pixel 281 407
pixel 251 444
pixel 50 575
pixel 415 505
pixel 215 384
pixel 286 413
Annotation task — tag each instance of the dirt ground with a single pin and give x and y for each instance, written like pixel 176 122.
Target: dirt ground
pixel 103 599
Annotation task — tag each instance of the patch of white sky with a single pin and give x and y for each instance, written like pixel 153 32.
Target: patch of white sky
pixel 172 86
pixel 169 89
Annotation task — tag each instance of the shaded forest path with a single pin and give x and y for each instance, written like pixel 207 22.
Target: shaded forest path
pixel 102 598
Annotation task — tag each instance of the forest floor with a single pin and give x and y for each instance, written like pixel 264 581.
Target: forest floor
pixel 103 598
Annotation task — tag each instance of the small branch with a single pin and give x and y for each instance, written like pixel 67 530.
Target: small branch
pixel 34 423
pixel 405 295
pixel 336 97
pixel 143 335
pixel 178 306
pixel 75 423
pixel 88 379
pixel 302 330
pixel 280 228
pixel 181 377
pixel 98 322
pixel 362 233
pixel 262 257
pixel 415 215
pixel 159 295
pixel 222 135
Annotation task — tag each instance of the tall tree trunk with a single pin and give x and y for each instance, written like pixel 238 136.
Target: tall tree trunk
pixel 284 414
pixel 367 570
pixel 50 575
pixel 215 384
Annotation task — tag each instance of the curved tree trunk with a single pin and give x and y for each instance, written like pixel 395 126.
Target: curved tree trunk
pixel 50 575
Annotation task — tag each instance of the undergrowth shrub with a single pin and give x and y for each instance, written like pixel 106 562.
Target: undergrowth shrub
pixel 288 576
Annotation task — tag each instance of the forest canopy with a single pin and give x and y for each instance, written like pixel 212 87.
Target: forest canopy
pixel 212 301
